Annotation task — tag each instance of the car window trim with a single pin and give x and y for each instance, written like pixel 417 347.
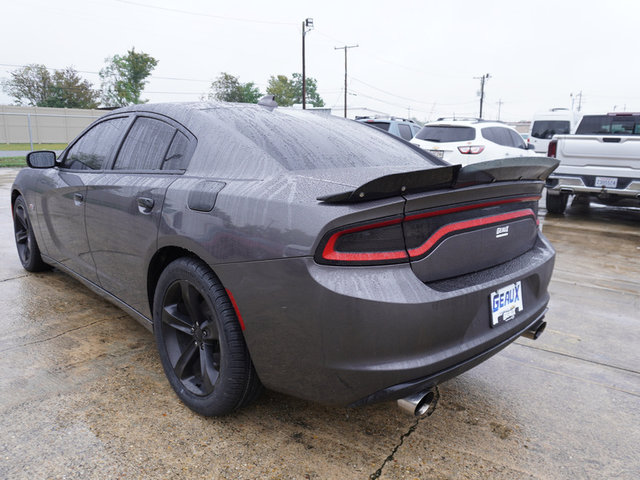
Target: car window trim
pixel 193 141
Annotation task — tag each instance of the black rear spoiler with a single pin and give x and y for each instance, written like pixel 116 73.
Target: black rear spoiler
pixel 453 176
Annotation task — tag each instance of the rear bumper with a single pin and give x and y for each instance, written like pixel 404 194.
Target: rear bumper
pixel 585 184
pixel 353 335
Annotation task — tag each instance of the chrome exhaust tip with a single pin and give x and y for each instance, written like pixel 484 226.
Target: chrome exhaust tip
pixel 421 403
pixel 535 331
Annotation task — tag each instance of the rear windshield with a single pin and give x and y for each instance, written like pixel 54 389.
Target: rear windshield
pixel 299 140
pixel 609 124
pixel 446 133
pixel 546 129
pixel 381 125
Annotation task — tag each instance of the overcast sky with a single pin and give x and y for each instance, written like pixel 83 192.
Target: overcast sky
pixel 414 58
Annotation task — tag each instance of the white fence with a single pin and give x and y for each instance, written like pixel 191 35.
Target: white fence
pixel 43 125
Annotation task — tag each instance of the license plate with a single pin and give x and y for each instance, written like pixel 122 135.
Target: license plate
pixel 437 153
pixel 609 182
pixel 505 303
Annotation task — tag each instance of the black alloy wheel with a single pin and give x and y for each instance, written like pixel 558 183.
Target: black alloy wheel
pixel 191 337
pixel 200 341
pixel 28 250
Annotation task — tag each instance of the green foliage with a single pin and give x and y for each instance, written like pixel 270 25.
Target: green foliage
pixel 124 78
pixel 228 88
pixel 288 92
pixel 35 86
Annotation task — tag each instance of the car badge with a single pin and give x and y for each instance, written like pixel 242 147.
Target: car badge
pixel 502 231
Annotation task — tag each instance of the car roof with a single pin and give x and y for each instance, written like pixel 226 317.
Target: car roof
pixel 242 140
pixel 475 122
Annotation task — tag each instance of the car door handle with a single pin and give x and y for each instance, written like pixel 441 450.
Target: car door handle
pixel 78 198
pixel 145 204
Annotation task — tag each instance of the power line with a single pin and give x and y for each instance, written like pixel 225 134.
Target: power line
pixel 202 14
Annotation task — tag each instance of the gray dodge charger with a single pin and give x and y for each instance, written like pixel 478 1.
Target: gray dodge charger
pixel 310 254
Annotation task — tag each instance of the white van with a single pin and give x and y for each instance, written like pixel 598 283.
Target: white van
pixel 557 121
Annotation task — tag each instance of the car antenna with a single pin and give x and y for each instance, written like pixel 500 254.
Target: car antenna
pixel 268 101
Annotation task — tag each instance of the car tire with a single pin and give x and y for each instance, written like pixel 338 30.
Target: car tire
pixel 200 340
pixel 557 203
pixel 28 250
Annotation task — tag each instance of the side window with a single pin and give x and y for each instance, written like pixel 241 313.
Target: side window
pixel 177 158
pixel 498 135
pixel 94 148
pixel 146 145
pixel 405 131
pixel 516 140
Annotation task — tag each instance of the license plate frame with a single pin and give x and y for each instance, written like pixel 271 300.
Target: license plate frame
pixel 505 303
pixel 437 153
pixel 607 182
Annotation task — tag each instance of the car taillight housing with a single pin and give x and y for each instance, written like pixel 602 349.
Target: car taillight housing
pixel 552 150
pixel 471 149
pixel 399 240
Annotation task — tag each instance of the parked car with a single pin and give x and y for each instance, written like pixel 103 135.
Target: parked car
pixel 309 254
pixel 600 163
pixel 400 127
pixel 466 141
pixel 557 121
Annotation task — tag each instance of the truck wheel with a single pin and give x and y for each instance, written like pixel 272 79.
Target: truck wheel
pixel 557 203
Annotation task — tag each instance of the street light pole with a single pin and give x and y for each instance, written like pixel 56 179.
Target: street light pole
pixel 307 25
pixel 345 73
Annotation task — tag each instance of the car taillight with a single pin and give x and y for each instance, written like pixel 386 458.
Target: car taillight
pixel 552 150
pixel 399 240
pixel 375 243
pixel 471 149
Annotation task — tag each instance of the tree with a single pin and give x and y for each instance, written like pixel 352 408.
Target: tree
pixel 124 78
pixel 71 91
pixel 228 88
pixel 289 91
pixel 34 85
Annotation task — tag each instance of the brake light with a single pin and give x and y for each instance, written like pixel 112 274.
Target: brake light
pixel 399 240
pixel 552 150
pixel 471 149
pixel 381 242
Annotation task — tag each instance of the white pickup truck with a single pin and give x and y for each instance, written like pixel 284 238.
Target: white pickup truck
pixel 600 163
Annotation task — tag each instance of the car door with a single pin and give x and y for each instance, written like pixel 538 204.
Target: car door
pixel 63 195
pixel 124 205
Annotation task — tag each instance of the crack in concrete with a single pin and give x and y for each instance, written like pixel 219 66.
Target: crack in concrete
pixel 35 342
pixel 13 278
pixel 375 475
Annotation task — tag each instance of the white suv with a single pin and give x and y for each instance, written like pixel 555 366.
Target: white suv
pixel 468 141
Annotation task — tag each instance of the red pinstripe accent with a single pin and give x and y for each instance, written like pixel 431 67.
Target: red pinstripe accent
pixel 235 307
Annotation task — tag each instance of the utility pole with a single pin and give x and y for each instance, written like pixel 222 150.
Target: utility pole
pixel 482 79
pixel 307 25
pixel 500 102
pixel 345 73
pixel 579 100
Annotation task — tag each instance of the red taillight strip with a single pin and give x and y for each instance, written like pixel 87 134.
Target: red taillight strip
pixel 235 307
pixel 466 225
pixel 471 207
pixel 329 252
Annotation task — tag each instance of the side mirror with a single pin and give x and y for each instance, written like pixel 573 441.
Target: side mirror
pixel 530 146
pixel 41 159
